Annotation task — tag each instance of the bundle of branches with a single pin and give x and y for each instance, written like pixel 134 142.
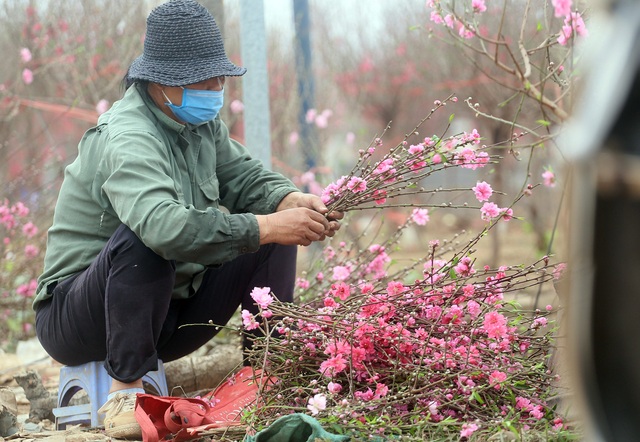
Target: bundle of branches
pixel 443 355
pixel 438 349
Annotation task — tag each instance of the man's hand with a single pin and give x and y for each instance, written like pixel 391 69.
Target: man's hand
pixel 299 226
pixel 300 218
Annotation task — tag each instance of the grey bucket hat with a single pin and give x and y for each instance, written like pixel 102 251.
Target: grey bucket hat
pixel 183 45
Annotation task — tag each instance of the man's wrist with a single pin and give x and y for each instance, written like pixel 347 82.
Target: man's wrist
pixel 290 201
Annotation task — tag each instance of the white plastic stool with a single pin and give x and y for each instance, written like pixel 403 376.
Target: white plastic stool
pixel 95 381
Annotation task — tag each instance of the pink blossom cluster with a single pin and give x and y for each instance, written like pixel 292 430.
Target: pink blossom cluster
pixel 27 290
pixel 573 21
pixel 263 299
pixel 549 178
pixel 464 29
pixel 9 214
pixel 573 24
pixel 369 264
pixel 489 210
pixel 13 220
pixel 320 119
pixel 376 183
pixel 19 248
pixel 446 344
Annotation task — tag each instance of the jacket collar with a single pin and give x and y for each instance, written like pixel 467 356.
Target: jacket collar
pixel 163 118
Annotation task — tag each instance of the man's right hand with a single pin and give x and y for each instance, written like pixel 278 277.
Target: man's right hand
pixel 298 226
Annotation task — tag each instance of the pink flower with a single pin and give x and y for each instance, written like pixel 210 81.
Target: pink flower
pixel 380 196
pixel 340 273
pixel 495 325
pixel 562 7
pixel 293 138
pixel 338 348
pixel 436 17
pixel 416 149
pixel 577 23
pixel 468 290
pixel 25 55
pixel 7 218
pixel 496 378
pixel 311 115
pixel 478 5
pixel 482 159
pixel 468 429
pixel 302 283
pixel 572 22
pixel 236 106
pixel 449 20
pixel 357 184
pixel 536 412
pixel 31 251
pixel 523 403
pixel 102 106
pixel 395 288
pixel 507 213
pixel 317 404
pixel 329 302
pixel 19 209
pixel 329 253
pixel 350 138
pixel 420 216
pixel 341 290
pixel 262 296
pixel 539 322
pixel 28 290
pixel 334 387
pixel 248 320
pixel 27 76
pixel 489 211
pixel 558 270
pixel 465 32
pixel 322 121
pixel 464 267
pixel 483 191
pixel 549 178
pixel 565 35
pixel 473 308
pixel 364 396
pixel 333 366
pixel 381 391
pixel 30 230
pixel 384 166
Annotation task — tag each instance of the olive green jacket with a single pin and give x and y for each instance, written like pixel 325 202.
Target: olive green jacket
pixel 165 181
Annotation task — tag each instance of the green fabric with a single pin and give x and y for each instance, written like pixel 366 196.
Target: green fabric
pixel 295 428
pixel 166 181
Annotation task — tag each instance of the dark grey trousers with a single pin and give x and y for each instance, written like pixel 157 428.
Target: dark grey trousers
pixel 120 311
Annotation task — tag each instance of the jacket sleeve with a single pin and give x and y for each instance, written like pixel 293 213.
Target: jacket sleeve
pixel 245 185
pixel 136 181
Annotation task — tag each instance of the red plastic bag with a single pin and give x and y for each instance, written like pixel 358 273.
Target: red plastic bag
pixel 184 418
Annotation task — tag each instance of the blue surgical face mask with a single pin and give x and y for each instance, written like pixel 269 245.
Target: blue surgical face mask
pixel 198 106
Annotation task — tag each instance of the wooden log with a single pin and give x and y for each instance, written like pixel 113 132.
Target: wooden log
pixel 199 373
pixel 41 400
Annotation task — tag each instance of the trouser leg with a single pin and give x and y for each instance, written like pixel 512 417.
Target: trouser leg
pixel 113 311
pixel 120 310
pixel 224 288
